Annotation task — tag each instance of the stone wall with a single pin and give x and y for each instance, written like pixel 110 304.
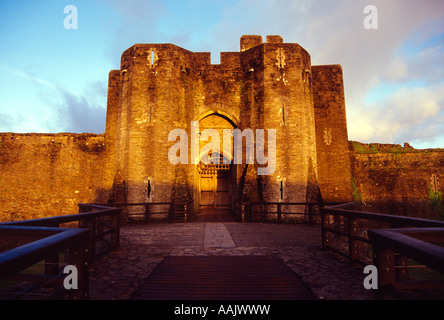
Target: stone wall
pixel 397 179
pixel 49 174
pixel 331 133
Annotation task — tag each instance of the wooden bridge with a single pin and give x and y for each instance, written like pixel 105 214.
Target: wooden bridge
pixel 223 278
pixel 34 252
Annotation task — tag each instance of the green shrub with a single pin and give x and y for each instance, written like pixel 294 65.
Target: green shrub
pixel 434 204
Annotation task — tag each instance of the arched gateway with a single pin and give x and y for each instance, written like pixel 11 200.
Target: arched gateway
pixel 216 175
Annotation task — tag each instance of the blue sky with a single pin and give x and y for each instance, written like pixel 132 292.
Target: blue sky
pixel 55 80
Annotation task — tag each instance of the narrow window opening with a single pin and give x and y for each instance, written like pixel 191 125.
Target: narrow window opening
pixel 152 57
pixel 283 114
pixel 151 114
pixel 148 189
pixel 434 181
pixel 327 136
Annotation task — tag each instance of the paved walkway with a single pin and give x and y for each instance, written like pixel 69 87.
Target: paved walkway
pixel 143 247
pixel 217 236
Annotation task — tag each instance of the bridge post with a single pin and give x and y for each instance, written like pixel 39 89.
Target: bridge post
pixel 384 260
pixel 147 213
pixel 90 224
pixel 244 213
pixel 353 247
pixel 78 256
pixel 115 235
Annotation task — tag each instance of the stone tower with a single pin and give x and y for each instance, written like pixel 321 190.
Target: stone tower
pixel 268 86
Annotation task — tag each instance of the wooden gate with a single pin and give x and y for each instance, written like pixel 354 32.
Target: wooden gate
pixel 222 188
pixel 214 190
pixel 207 190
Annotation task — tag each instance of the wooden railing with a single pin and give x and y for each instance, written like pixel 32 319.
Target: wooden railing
pixel 345 231
pixel 145 212
pixel 22 276
pixel 279 212
pixel 183 211
pixel 102 222
pixel 43 248
pixel 395 244
pixel 396 254
pixel 142 212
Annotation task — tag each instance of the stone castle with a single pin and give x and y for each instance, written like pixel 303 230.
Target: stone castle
pixel 267 85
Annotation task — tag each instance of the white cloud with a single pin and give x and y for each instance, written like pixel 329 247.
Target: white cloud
pixel 51 107
pixel 83 114
pixel 407 115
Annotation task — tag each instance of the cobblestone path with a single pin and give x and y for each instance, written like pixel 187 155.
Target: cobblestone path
pixel 118 275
